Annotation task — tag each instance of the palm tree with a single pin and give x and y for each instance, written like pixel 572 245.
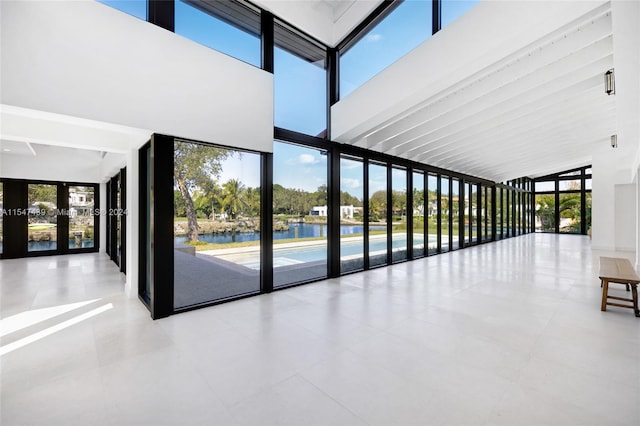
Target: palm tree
pixel 233 197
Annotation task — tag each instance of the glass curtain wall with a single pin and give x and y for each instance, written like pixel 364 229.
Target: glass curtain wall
pixel 498 229
pixel 474 212
pixel 455 212
pixel 445 216
pixel 300 82
pixel 408 25
pixel 399 214
pixel 418 215
pixel 562 202
pixel 569 206
pixel 377 214
pixel 42 213
pixel 351 211
pixel 216 223
pixel 300 214
pixel 433 208
pixel 506 213
pixel 229 27
pixel 467 214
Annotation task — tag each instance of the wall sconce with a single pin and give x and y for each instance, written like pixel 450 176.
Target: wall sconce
pixel 614 141
pixel 610 82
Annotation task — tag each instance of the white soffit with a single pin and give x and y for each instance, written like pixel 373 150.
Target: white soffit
pixel 536 109
pixel 24 129
pixel 327 20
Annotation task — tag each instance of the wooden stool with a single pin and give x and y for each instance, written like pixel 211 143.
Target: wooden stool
pixel 618 270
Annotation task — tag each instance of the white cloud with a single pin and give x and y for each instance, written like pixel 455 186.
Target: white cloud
pixel 374 37
pixel 350 183
pixel 307 159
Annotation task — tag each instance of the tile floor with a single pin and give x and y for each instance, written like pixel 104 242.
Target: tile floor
pixel 509 333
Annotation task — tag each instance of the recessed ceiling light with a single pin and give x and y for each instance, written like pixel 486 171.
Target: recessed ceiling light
pixel 6 149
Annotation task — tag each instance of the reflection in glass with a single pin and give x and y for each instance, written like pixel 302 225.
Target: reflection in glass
pixel 227 27
pixel 351 225
pixel 299 214
pixel 216 223
pixel 81 219
pixel 399 213
pixel 432 209
pixel 377 214
pixel 418 215
pixel 445 214
pixel 42 216
pixel 455 212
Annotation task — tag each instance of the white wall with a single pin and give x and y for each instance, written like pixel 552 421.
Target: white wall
pixel 85 59
pixel 625 217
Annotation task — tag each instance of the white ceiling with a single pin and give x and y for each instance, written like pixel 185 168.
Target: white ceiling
pixel 537 110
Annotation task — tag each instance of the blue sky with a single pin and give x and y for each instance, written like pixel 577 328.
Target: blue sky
pixel 300 87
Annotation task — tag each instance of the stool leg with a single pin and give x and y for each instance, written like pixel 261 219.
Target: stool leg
pixel 605 290
pixel 634 295
pixel 627 286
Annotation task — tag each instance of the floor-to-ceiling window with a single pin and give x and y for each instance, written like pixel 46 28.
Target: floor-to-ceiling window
pixel 399 213
pixel 419 215
pixel 351 211
pixel 81 216
pixel 43 217
pixel 433 213
pixel 300 214
pixel 445 213
pixel 562 202
pixel 216 223
pixel 474 212
pixel 455 213
pixel 498 199
pixel 378 209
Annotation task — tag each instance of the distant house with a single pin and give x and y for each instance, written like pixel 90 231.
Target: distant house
pixel 346 212
pixel 319 211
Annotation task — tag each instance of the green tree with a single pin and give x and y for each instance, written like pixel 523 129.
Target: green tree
pixel 545 211
pixel 194 166
pixel 233 200
pixel 252 197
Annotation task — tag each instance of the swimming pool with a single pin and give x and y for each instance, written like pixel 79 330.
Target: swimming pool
pixel 314 251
